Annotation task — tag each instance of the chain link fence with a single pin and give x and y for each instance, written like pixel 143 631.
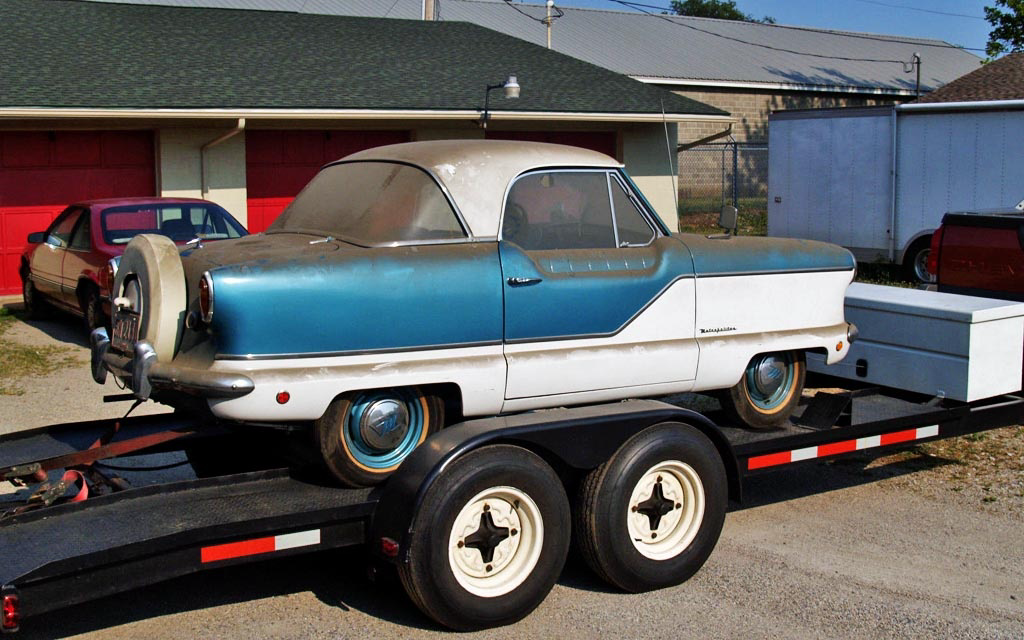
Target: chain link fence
pixel 717 174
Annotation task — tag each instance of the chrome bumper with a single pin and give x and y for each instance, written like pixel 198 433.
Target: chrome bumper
pixel 143 372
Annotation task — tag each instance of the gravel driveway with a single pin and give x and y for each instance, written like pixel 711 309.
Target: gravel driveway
pixel 923 544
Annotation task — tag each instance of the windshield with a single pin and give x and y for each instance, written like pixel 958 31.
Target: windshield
pixel 179 221
pixel 371 204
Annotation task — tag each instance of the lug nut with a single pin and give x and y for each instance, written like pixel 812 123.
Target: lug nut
pixel 489 567
pixel 461 544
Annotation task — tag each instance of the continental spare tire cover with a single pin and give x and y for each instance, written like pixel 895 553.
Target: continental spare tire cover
pixel 153 260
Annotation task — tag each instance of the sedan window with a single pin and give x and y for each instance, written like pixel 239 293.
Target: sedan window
pixel 372 204
pixel 59 234
pixel 573 210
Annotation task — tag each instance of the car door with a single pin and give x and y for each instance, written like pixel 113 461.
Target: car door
pixel 77 259
pixel 596 296
pixel 48 259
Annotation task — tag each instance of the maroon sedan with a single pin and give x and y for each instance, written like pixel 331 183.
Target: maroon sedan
pixel 65 265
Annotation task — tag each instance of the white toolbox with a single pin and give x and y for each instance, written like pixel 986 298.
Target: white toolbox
pixel 941 344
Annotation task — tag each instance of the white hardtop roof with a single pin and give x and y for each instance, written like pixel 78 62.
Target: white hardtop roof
pixel 477 173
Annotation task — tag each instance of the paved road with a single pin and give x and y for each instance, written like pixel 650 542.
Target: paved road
pixel 833 550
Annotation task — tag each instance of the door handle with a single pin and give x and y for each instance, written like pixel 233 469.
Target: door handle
pixel 522 282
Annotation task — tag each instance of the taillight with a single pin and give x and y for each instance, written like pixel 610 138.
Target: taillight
pixel 206 297
pixel 11 612
pixel 109 273
pixel 933 251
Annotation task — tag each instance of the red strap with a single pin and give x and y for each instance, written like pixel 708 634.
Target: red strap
pixel 75 477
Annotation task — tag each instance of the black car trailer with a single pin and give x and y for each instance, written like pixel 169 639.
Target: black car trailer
pixel 476 521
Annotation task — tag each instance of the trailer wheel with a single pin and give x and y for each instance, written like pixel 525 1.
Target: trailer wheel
pixel 650 516
pixel 489 539
pixel 365 435
pixel 769 390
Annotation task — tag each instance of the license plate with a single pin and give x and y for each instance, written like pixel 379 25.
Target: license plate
pixel 125 331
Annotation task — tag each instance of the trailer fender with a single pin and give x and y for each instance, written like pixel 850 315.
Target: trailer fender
pixel 580 438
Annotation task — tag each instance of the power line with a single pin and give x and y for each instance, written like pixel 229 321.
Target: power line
pixel 935 11
pixel 643 9
pixel 544 20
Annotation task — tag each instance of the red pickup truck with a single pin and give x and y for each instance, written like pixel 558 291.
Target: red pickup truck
pixel 980 254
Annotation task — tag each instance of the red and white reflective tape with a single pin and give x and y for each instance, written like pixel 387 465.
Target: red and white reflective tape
pixel 260 545
pixel 835 448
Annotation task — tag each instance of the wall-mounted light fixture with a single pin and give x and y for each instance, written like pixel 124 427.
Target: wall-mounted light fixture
pixel 511 87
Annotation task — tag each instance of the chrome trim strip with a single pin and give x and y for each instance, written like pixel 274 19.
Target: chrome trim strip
pixel 762 272
pixel 361 352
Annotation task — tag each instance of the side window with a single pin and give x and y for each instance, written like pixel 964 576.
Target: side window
pixel 80 238
pixel 59 234
pixel 559 210
pixel 633 228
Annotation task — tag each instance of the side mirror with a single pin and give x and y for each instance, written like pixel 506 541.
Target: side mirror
pixel 727 217
pixel 37 237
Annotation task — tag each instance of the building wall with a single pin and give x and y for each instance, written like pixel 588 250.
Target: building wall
pixel 644 153
pixel 652 162
pixel 179 167
pixel 751 108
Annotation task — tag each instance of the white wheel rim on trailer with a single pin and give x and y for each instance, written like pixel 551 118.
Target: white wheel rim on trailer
pixel 675 529
pixel 514 557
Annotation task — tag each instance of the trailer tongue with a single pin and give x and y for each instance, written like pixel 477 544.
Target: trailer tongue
pixel 476 521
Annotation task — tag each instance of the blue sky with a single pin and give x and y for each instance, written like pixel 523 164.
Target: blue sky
pixel 898 17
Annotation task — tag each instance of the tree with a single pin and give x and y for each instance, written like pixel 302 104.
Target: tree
pixel 725 10
pixel 1007 35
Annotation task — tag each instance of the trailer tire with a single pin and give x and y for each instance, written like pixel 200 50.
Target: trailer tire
pixel 650 516
pixel 769 390
pixel 515 556
pixel 358 455
pixel 915 261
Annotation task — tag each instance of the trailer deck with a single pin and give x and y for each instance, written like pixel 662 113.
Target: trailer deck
pixel 115 542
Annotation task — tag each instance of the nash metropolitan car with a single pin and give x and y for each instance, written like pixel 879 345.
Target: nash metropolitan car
pixel 412 285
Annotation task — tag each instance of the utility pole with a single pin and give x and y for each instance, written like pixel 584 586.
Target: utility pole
pixel 428 10
pixel 548 20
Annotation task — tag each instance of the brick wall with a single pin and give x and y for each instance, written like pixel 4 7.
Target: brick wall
pixel 751 108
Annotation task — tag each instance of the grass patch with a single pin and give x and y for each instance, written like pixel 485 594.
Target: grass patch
pixel 19 361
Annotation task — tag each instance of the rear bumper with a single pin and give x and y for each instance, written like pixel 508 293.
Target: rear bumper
pixel 143 373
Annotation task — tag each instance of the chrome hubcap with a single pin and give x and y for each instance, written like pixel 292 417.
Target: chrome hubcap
pixel 384 424
pixel 769 375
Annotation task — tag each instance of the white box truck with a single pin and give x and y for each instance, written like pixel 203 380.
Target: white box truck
pixel 877 180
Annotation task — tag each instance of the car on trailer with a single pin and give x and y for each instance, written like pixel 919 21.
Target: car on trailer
pixel 65 266
pixel 412 285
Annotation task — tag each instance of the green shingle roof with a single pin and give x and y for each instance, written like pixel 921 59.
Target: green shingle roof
pixel 67 53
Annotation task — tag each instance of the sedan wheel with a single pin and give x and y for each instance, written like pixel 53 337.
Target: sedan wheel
pixel 365 435
pixel 92 310
pixel 769 390
pixel 35 308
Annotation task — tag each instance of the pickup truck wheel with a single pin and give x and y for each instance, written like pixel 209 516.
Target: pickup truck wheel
pixel 650 516
pixel 769 390
pixel 489 539
pixel 915 262
pixel 365 435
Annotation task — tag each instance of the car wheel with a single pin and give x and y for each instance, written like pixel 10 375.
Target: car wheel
pixel 769 390
pixel 650 516
pixel 92 310
pixel 151 274
pixel 489 539
pixel 915 262
pixel 364 436
pixel 35 307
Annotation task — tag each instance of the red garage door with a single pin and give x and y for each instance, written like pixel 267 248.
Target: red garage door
pixel 280 163
pixel 41 172
pixel 602 141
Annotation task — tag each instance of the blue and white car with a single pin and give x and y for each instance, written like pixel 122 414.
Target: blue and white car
pixel 412 285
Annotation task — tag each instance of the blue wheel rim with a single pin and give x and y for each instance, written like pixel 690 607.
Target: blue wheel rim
pixel 778 397
pixel 366 455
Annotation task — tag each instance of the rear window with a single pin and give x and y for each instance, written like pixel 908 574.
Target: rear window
pixel 372 204
pixel 178 221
